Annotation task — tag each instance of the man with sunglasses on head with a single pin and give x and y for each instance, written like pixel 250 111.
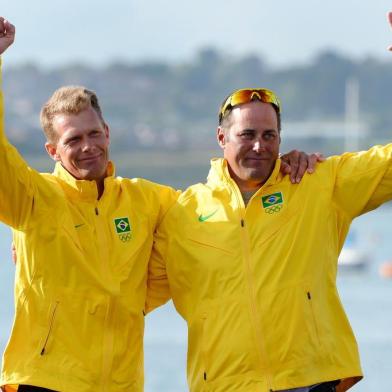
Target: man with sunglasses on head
pixel 250 260
pixel 83 239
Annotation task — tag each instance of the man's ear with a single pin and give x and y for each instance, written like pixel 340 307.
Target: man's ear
pixel 221 137
pixel 51 149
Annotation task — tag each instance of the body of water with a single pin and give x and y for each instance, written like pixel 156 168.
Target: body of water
pixel 366 296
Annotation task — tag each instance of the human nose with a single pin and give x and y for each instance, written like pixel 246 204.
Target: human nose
pixel 87 145
pixel 258 146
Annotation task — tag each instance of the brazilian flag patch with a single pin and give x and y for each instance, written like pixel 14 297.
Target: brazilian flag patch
pixel 123 229
pixel 272 203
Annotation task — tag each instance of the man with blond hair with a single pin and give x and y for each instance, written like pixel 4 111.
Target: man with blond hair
pixel 83 239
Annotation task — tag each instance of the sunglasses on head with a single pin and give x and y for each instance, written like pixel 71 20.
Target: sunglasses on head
pixel 247 95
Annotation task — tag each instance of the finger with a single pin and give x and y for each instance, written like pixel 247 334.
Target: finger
pixel 320 157
pixel 294 157
pixel 2 27
pixel 302 166
pixel 7 29
pixel 285 168
pixel 312 161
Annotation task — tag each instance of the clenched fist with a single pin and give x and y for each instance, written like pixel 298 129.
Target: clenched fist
pixel 7 34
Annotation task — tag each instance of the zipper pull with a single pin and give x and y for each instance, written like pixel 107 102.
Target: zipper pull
pixel 242 223
pixel 96 211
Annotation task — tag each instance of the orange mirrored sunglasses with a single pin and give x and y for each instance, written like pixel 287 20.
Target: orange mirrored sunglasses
pixel 247 95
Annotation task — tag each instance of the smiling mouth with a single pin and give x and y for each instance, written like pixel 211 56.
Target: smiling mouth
pixel 90 159
pixel 256 162
pixel 257 159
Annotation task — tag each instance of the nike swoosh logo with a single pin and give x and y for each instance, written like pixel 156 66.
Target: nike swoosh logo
pixel 203 218
pixel 81 224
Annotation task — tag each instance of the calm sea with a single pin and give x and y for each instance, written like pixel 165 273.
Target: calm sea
pixel 366 296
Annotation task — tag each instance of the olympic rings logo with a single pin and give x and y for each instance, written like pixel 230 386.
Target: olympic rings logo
pixel 125 237
pixel 273 209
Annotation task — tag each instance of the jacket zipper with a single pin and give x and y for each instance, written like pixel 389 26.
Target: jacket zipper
pixel 203 346
pixel 260 341
pixel 108 334
pixel 107 351
pixel 52 317
pixel 309 295
pixel 247 255
pixel 102 241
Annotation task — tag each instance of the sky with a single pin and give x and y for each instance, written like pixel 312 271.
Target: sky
pixel 286 32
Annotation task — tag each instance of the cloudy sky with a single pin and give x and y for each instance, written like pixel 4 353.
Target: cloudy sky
pixel 52 32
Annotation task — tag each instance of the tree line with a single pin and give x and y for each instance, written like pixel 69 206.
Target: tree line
pixel 151 104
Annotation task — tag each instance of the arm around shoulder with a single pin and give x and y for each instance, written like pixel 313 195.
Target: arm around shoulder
pixel 167 198
pixel 158 290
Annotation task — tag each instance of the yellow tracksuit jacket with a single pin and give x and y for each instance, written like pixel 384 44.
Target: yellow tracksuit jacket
pixel 80 277
pixel 257 285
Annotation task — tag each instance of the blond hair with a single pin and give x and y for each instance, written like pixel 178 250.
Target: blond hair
pixel 67 100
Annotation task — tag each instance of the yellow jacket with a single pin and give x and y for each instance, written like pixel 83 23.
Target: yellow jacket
pixel 80 277
pixel 257 285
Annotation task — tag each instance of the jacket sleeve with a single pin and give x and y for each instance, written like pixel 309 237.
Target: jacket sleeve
pixel 363 180
pixel 167 198
pixel 17 180
pixel 158 291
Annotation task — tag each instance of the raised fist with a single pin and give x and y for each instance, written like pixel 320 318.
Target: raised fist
pixel 7 34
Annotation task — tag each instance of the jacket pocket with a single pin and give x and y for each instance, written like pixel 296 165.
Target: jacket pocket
pixel 73 332
pixel 51 322
pixel 290 328
pixel 313 316
pixel 221 344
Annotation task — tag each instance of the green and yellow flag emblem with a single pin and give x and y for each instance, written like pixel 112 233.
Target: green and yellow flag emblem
pixel 123 228
pixel 272 203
